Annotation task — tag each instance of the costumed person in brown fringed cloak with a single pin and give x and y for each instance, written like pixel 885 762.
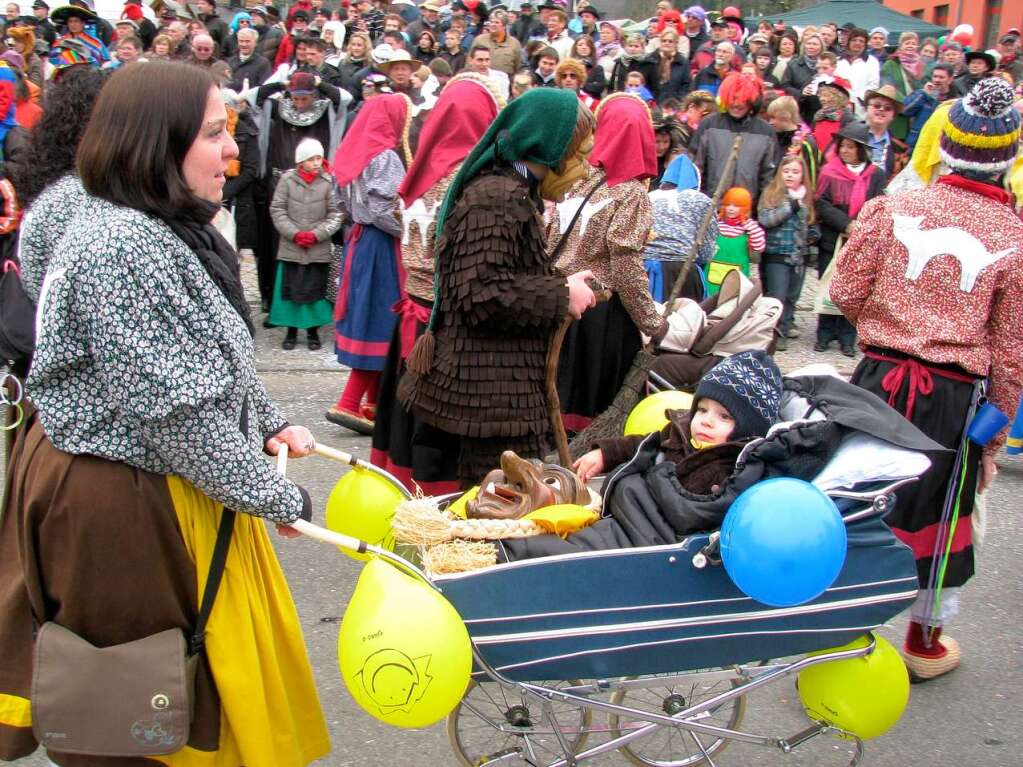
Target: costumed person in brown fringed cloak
pixel 605 220
pixel 402 444
pixel 478 371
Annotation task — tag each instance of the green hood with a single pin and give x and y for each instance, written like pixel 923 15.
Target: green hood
pixel 537 126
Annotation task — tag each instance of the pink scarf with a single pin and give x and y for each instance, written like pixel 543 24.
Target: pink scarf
pixel 912 63
pixel 843 186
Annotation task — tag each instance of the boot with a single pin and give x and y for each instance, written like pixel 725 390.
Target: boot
pixel 925 663
pixel 312 339
pixel 289 339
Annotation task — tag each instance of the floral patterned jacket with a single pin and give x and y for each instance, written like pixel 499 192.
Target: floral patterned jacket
pixel 140 358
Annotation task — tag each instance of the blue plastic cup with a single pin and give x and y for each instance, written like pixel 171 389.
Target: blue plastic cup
pixel 986 424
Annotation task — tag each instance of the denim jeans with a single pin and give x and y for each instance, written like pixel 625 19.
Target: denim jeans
pixel 784 282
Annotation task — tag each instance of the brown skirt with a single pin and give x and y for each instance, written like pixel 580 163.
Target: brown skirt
pixel 98 547
pixel 94 546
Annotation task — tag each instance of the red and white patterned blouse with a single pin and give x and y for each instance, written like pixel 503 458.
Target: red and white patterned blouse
pixel 937 273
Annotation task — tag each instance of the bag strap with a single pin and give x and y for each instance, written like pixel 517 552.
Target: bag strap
pixel 561 243
pixel 218 560
pixel 209 596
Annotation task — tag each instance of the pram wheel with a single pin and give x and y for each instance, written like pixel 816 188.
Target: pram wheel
pixel 670 694
pixel 473 727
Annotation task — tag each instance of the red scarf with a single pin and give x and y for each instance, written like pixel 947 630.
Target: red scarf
pixel 461 116
pixel 843 186
pixel 310 177
pixel 623 144
pixel 990 191
pixel 379 126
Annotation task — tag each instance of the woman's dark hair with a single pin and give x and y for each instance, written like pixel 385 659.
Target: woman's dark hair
pixel 54 140
pixel 143 125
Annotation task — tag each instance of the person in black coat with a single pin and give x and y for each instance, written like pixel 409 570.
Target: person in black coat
pixel 527 25
pixel 633 59
pixel 585 51
pixel 239 188
pixel 44 28
pixel 837 206
pixel 247 63
pixel 799 75
pixel 672 79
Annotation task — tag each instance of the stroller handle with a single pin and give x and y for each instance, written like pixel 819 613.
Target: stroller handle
pixel 340 539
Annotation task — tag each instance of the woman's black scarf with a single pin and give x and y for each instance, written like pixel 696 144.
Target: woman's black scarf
pixel 218 259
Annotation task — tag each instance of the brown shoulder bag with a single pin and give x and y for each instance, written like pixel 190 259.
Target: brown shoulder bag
pixel 128 700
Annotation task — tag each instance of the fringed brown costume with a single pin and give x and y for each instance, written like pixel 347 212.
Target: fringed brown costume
pixel 499 303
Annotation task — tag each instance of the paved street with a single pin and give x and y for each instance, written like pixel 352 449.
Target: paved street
pixel 970 718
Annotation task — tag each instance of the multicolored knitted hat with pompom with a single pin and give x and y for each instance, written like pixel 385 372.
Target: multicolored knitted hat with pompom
pixel 983 129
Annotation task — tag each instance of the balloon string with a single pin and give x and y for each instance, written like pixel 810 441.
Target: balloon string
pixel 948 545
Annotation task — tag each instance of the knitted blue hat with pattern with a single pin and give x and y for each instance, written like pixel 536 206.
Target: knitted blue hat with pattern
pixel 983 128
pixel 747 385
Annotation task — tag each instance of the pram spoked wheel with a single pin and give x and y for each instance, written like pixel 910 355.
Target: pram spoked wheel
pixel 492 722
pixel 669 746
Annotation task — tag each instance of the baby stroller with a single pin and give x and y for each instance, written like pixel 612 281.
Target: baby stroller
pixel 658 638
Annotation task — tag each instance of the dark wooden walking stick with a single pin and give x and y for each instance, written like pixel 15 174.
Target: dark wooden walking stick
pixel 610 422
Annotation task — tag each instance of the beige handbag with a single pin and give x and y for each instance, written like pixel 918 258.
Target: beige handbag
pixel 128 700
pixel 822 303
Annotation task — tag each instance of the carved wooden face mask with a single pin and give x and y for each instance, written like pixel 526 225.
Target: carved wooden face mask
pixel 522 486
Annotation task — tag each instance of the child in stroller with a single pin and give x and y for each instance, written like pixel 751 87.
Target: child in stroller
pixel 734 402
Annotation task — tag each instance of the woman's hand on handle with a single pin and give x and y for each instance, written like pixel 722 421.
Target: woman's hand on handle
pixel 580 295
pixel 299 440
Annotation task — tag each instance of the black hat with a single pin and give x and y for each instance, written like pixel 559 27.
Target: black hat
pixel 300 15
pixel 589 9
pixel 855 130
pixel 272 11
pixel 992 63
pixel 748 386
pixel 40 4
pixel 525 4
pixel 718 22
pixel 65 12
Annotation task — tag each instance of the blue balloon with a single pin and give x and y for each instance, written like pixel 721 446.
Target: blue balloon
pixel 783 542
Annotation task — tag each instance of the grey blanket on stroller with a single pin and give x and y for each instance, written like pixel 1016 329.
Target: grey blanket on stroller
pixel 645 505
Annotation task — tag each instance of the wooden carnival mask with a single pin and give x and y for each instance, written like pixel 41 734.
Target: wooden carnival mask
pixel 521 486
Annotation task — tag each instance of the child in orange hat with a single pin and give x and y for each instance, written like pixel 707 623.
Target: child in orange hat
pixel 740 238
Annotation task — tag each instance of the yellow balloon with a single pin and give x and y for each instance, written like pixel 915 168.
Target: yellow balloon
pixel 457 506
pixel 865 696
pixel 648 415
pixel 362 505
pixel 403 650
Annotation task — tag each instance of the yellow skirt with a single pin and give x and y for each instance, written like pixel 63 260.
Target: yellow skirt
pixel 270 712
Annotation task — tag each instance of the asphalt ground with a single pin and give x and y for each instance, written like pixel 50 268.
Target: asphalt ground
pixel 971 717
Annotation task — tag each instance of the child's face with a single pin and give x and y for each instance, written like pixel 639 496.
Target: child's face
pixel 732 211
pixel 634 47
pixel 312 165
pixel 711 423
pixel 792 175
pixel 633 82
